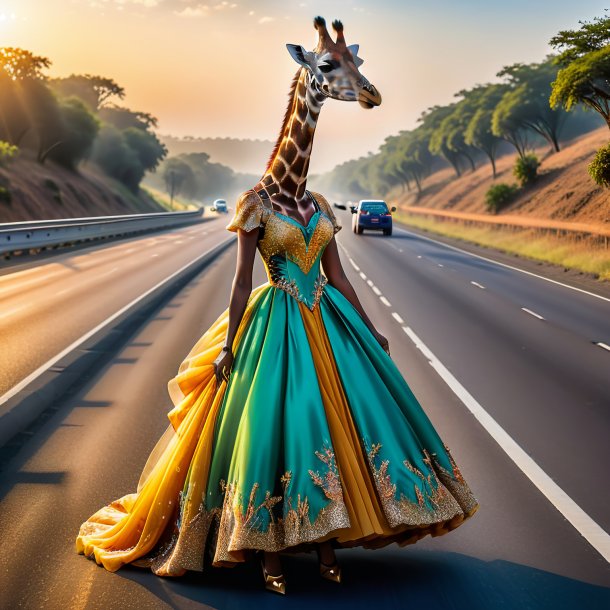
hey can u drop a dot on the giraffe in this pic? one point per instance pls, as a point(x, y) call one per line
point(331, 70)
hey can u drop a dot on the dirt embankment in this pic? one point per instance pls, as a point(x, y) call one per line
point(45, 192)
point(564, 190)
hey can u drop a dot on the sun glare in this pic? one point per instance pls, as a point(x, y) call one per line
point(7, 18)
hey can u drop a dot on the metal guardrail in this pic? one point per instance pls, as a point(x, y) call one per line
point(35, 234)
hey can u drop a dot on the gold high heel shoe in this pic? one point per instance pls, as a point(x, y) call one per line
point(273, 583)
point(329, 572)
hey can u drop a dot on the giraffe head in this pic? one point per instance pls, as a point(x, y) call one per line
point(333, 67)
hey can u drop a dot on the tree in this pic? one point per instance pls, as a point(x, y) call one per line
point(20, 64)
point(179, 177)
point(18, 67)
point(93, 90)
point(507, 124)
point(77, 132)
point(586, 80)
point(575, 44)
point(124, 118)
point(526, 103)
point(432, 121)
point(479, 130)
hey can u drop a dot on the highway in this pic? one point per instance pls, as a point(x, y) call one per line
point(503, 362)
point(45, 307)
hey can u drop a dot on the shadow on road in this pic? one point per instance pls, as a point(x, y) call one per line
point(384, 579)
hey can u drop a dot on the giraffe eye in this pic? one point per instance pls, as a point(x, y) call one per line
point(325, 67)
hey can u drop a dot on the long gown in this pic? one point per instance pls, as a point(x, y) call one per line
point(316, 435)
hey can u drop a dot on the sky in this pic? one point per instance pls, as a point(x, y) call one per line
point(220, 68)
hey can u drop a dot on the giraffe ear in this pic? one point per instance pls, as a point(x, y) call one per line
point(299, 54)
point(353, 49)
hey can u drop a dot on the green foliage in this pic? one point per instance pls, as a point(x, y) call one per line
point(586, 80)
point(526, 169)
point(52, 186)
point(196, 177)
point(19, 64)
point(599, 168)
point(499, 196)
point(5, 195)
point(93, 90)
point(127, 154)
point(78, 130)
point(525, 108)
point(574, 44)
point(8, 152)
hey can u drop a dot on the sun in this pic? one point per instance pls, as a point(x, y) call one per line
point(7, 18)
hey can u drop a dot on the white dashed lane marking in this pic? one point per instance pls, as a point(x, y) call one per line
point(580, 520)
point(532, 313)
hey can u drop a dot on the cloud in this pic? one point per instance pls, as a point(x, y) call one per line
point(266, 20)
point(203, 10)
point(199, 10)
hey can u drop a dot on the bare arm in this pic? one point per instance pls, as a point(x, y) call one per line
point(333, 269)
point(240, 292)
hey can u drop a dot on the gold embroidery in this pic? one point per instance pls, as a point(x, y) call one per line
point(448, 494)
point(292, 288)
point(286, 239)
point(239, 529)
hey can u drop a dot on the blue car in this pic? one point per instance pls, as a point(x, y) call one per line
point(372, 215)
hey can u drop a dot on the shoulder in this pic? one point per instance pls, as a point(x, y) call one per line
point(321, 200)
point(327, 208)
point(249, 212)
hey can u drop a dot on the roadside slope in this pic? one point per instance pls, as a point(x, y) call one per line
point(564, 190)
point(49, 191)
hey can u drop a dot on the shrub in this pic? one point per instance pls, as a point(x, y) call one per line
point(7, 152)
point(599, 168)
point(54, 188)
point(498, 196)
point(5, 195)
point(526, 169)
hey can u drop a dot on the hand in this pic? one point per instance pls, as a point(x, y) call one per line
point(382, 341)
point(223, 365)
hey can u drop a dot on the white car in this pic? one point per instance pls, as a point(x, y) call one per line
point(220, 205)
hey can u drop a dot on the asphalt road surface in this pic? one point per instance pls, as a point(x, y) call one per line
point(45, 307)
point(545, 382)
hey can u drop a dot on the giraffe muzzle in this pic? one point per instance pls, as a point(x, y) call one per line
point(369, 96)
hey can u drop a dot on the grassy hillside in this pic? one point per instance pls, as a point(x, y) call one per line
point(50, 191)
point(564, 190)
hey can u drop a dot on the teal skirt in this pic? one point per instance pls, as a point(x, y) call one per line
point(316, 436)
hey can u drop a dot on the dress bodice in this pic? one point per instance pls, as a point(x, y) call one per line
point(290, 251)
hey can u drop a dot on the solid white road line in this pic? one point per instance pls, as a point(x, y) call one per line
point(490, 260)
point(595, 535)
point(49, 363)
point(532, 313)
point(588, 528)
point(477, 284)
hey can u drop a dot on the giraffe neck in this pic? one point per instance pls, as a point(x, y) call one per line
point(286, 175)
